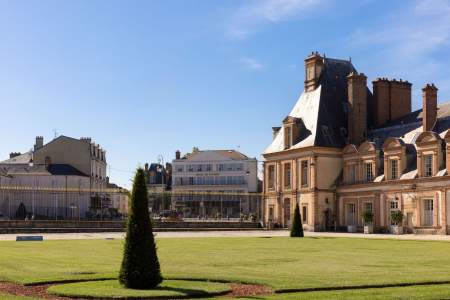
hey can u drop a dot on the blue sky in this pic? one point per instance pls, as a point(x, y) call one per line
point(144, 78)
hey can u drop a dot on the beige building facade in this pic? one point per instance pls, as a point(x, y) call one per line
point(344, 150)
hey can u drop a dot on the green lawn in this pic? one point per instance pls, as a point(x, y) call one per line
point(282, 263)
point(112, 289)
point(411, 293)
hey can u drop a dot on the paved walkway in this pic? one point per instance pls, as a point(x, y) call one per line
point(246, 233)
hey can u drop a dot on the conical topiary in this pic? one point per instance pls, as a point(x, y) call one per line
point(140, 266)
point(297, 227)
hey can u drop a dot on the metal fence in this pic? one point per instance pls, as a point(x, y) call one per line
point(18, 203)
point(206, 206)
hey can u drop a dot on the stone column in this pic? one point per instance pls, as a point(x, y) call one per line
point(444, 211)
point(313, 171)
point(436, 209)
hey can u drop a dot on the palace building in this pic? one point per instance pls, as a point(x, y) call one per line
point(344, 150)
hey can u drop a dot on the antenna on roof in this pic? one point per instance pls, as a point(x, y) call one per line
point(55, 133)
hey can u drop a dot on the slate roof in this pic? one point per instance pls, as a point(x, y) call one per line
point(323, 111)
point(20, 159)
point(53, 169)
point(230, 154)
point(409, 127)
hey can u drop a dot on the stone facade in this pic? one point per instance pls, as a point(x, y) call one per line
point(345, 151)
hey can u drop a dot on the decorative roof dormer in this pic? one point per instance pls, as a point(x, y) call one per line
point(292, 127)
point(313, 68)
point(429, 154)
point(394, 158)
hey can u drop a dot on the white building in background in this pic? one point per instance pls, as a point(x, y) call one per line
point(202, 179)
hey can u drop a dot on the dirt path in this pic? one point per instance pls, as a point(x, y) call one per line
point(36, 291)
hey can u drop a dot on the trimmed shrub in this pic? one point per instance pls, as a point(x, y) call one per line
point(397, 217)
point(140, 266)
point(367, 217)
point(297, 227)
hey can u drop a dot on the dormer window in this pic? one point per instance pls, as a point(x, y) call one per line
point(368, 171)
point(288, 141)
point(393, 167)
point(429, 154)
point(428, 165)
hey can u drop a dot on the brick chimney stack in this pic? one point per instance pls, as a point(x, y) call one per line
point(391, 100)
point(313, 69)
point(357, 112)
point(177, 154)
point(429, 110)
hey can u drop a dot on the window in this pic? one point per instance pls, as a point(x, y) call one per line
point(393, 207)
point(428, 212)
point(352, 173)
point(304, 172)
point(271, 209)
point(288, 137)
point(271, 176)
point(287, 175)
point(368, 166)
point(208, 167)
point(428, 165)
point(368, 206)
point(393, 168)
point(287, 209)
point(180, 169)
point(304, 214)
point(309, 73)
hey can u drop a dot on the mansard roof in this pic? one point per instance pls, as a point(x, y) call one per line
point(323, 110)
point(409, 128)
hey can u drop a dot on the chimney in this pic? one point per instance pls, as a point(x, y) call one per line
point(14, 154)
point(429, 110)
point(177, 154)
point(391, 100)
point(39, 143)
point(313, 69)
point(146, 167)
point(86, 139)
point(381, 101)
point(357, 112)
point(275, 131)
point(400, 99)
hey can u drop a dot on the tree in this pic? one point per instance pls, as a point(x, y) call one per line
point(140, 266)
point(297, 227)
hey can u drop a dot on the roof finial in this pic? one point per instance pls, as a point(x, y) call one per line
point(350, 59)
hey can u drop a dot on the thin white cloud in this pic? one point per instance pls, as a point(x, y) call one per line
point(250, 17)
point(409, 43)
point(251, 64)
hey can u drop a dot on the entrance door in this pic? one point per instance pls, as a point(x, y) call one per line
point(328, 225)
point(351, 214)
point(428, 212)
point(287, 212)
point(409, 222)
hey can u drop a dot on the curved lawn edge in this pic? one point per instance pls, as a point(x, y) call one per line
point(359, 287)
point(169, 289)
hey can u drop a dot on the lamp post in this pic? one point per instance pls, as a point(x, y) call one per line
point(160, 169)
